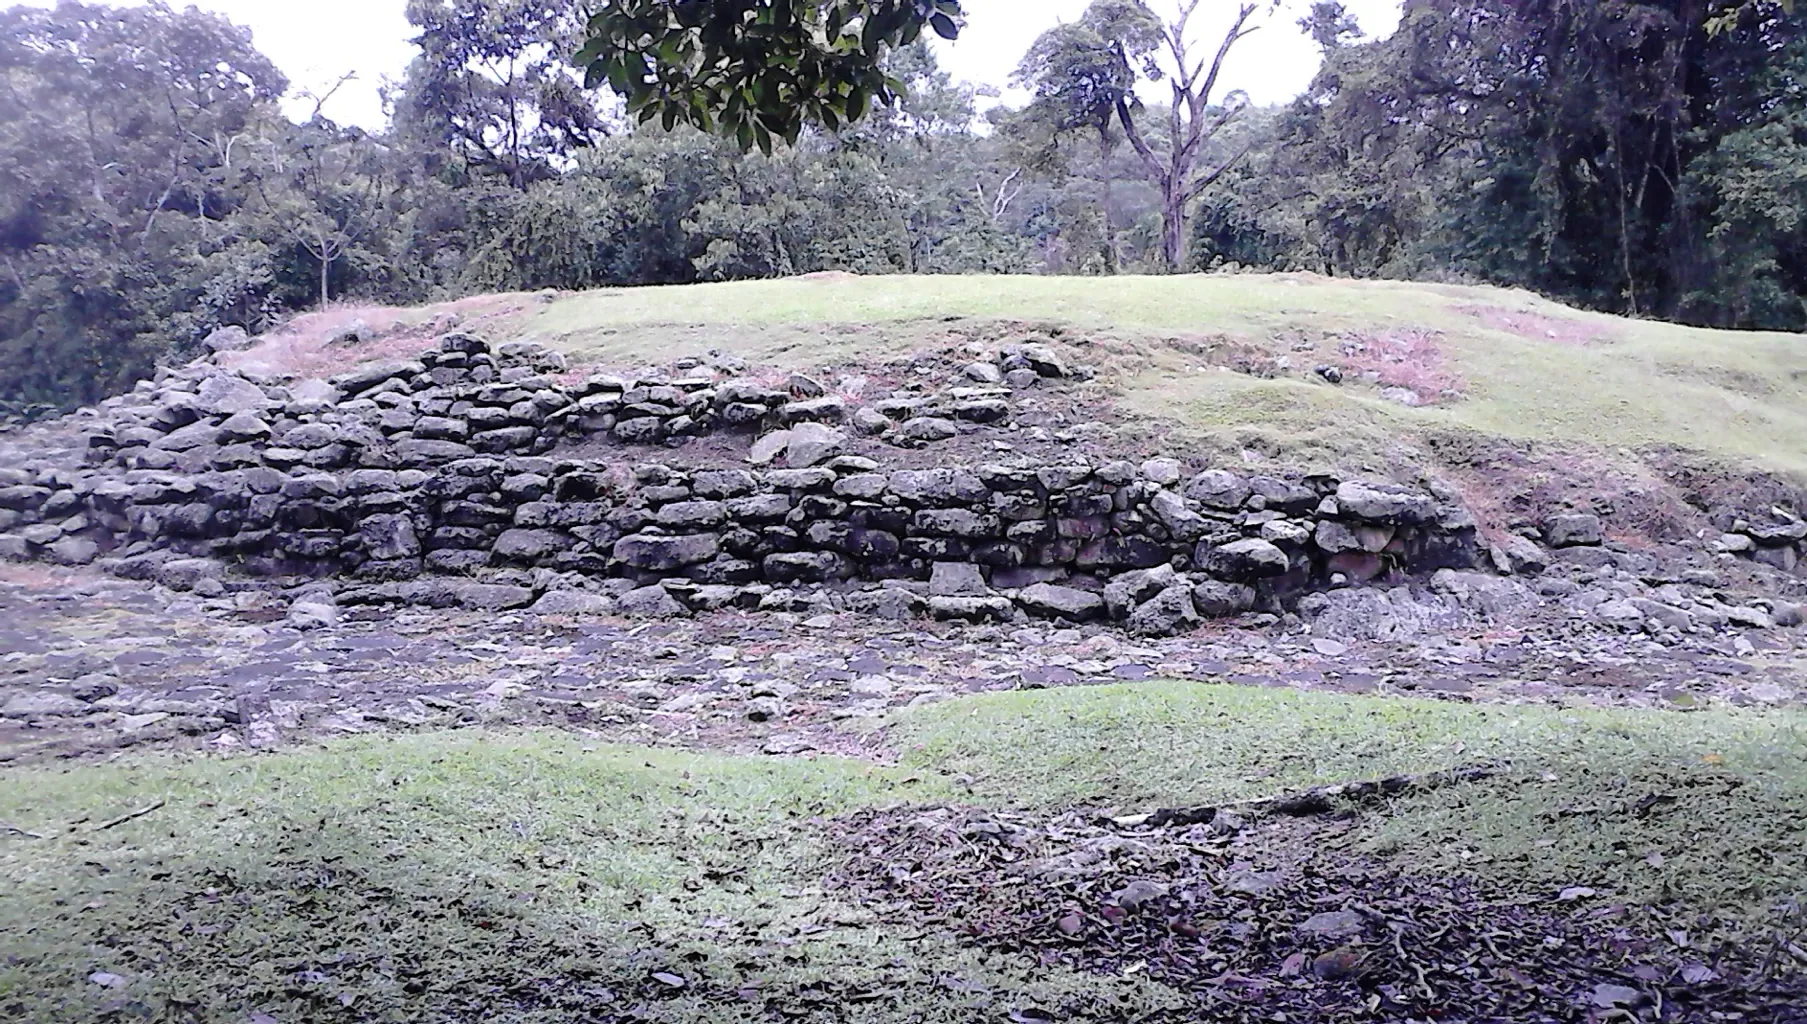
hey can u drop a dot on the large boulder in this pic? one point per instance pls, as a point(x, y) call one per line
point(492, 597)
point(242, 426)
point(1218, 488)
point(650, 603)
point(1492, 598)
point(1056, 602)
point(1245, 561)
point(658, 552)
point(929, 429)
point(806, 567)
point(957, 579)
point(315, 608)
point(1380, 614)
point(1126, 591)
point(972, 609)
point(1376, 504)
point(692, 514)
point(1574, 530)
point(1182, 522)
point(811, 444)
point(366, 377)
point(939, 486)
point(1218, 600)
point(1777, 532)
point(1169, 612)
point(225, 394)
point(231, 338)
point(389, 537)
point(1039, 358)
point(573, 602)
point(530, 545)
point(1522, 556)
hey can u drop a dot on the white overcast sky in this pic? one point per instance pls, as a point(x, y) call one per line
point(316, 41)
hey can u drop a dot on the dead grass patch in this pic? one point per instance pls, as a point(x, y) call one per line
point(1408, 358)
point(1540, 327)
point(305, 346)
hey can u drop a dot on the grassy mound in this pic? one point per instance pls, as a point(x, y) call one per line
point(527, 877)
point(1524, 368)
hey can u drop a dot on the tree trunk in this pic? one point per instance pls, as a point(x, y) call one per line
point(326, 266)
point(1104, 170)
point(1173, 226)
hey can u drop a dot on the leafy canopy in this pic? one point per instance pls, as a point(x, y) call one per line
point(756, 70)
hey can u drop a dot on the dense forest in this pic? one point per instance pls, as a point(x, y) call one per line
point(1627, 156)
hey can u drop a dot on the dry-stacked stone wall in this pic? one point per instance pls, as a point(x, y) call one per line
point(438, 481)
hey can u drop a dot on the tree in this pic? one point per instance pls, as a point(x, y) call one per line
point(328, 187)
point(123, 132)
point(494, 87)
point(1165, 50)
point(1079, 74)
point(756, 70)
point(1595, 151)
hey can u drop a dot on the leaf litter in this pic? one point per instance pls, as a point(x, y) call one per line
point(1276, 920)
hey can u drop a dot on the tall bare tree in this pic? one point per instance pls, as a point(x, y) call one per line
point(1164, 50)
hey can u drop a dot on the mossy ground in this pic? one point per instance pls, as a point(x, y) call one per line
point(1532, 370)
point(526, 876)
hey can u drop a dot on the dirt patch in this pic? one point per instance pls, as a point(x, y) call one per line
point(1539, 327)
point(1514, 486)
point(1405, 359)
point(309, 345)
point(1273, 921)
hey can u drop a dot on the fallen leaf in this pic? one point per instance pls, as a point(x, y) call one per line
point(1608, 996)
point(1137, 893)
point(1337, 965)
point(1293, 965)
point(1679, 937)
point(668, 979)
point(1071, 924)
point(1699, 974)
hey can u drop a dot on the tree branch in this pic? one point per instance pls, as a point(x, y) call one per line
point(1137, 142)
point(1198, 188)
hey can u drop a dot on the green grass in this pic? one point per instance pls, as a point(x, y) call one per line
point(472, 877)
point(526, 877)
point(1635, 384)
point(1708, 809)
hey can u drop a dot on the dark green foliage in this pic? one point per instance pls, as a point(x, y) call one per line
point(120, 191)
point(493, 87)
point(756, 70)
point(1618, 155)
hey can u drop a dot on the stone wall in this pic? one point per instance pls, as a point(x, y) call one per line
point(430, 480)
